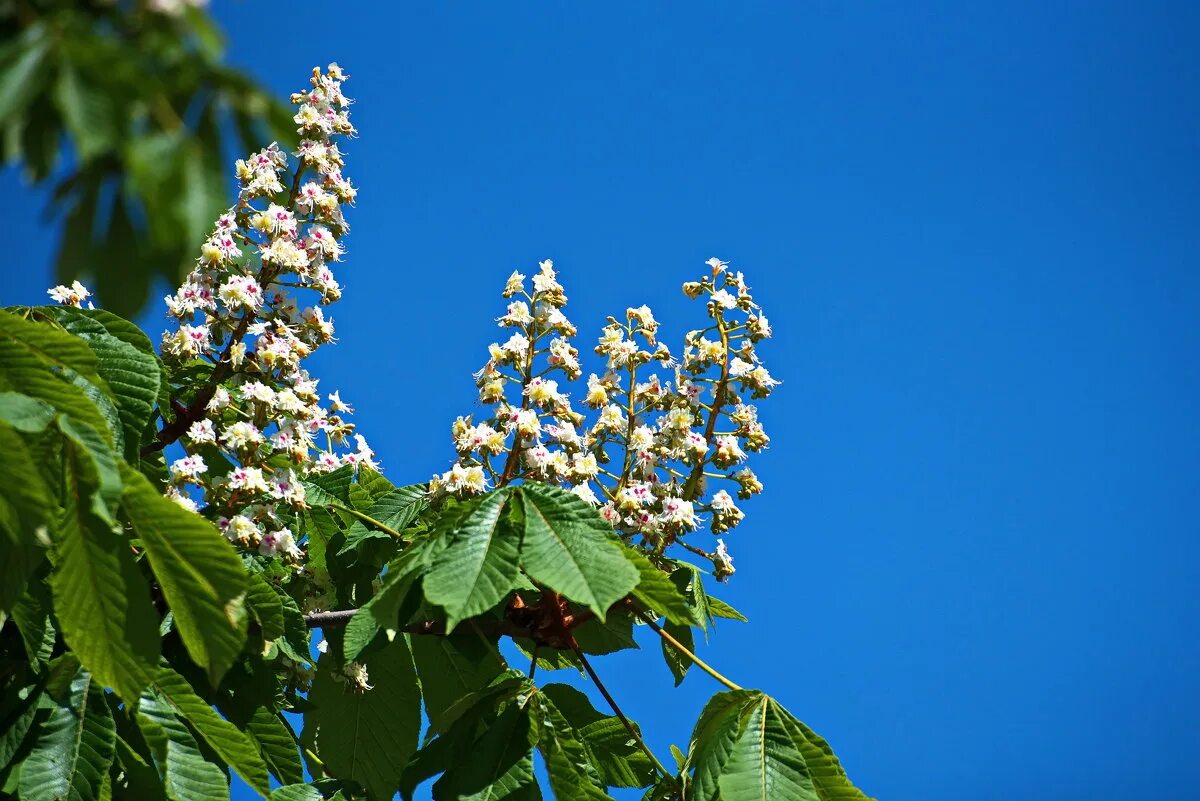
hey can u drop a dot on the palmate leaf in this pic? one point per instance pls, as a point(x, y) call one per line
point(367, 736)
point(232, 745)
point(199, 572)
point(75, 743)
point(186, 774)
point(568, 547)
point(747, 747)
point(101, 600)
point(479, 566)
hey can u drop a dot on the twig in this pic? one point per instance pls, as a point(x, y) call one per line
point(621, 715)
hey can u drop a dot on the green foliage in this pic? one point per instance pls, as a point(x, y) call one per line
point(151, 115)
point(143, 657)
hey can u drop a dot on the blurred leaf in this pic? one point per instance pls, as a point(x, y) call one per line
point(22, 70)
point(88, 112)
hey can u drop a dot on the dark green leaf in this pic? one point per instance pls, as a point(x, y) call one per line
point(277, 744)
point(101, 600)
point(223, 737)
point(479, 566)
point(571, 549)
point(74, 748)
point(186, 774)
point(367, 736)
point(452, 667)
point(397, 509)
point(656, 592)
point(616, 755)
point(572, 776)
point(198, 570)
point(675, 659)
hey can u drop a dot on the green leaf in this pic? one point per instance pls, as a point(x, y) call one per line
point(452, 667)
point(22, 70)
point(500, 765)
point(367, 736)
point(125, 362)
point(296, 792)
point(675, 659)
point(571, 549)
point(828, 777)
point(397, 509)
point(34, 619)
point(186, 774)
point(719, 608)
point(30, 415)
point(25, 509)
point(656, 592)
point(277, 743)
point(264, 604)
point(198, 570)
point(75, 745)
point(713, 739)
point(17, 722)
point(97, 466)
point(479, 567)
point(101, 600)
point(572, 776)
point(330, 488)
point(763, 764)
point(40, 360)
point(87, 111)
point(609, 746)
point(223, 737)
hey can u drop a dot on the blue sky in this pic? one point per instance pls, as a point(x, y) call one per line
point(974, 229)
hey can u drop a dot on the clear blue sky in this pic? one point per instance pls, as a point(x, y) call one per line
point(974, 227)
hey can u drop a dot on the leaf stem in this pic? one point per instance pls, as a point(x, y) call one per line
point(678, 646)
point(366, 518)
point(624, 720)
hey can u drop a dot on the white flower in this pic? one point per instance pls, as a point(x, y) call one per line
point(585, 491)
point(247, 478)
point(717, 264)
point(201, 432)
point(189, 467)
point(241, 434)
point(74, 295)
point(241, 291)
point(336, 404)
point(724, 299)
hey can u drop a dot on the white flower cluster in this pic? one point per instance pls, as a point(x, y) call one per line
point(262, 416)
point(646, 458)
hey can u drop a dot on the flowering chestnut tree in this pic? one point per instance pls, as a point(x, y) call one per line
point(179, 521)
